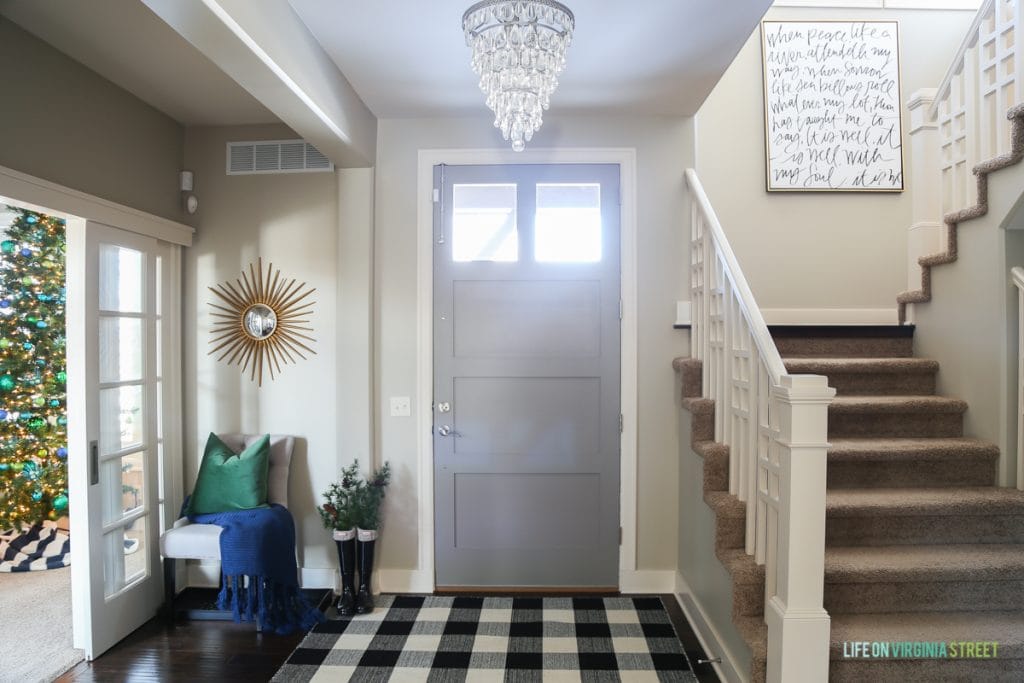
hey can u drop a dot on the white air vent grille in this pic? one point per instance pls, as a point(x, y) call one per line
point(275, 156)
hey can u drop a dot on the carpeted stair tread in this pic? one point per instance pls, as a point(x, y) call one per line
point(725, 504)
point(981, 500)
point(1006, 628)
point(853, 405)
point(869, 450)
point(903, 563)
point(741, 566)
point(823, 366)
point(754, 632)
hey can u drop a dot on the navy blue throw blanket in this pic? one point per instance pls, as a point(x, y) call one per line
point(259, 545)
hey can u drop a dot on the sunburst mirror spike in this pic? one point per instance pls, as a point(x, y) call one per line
point(257, 321)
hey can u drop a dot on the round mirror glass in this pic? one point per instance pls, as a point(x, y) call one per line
point(259, 321)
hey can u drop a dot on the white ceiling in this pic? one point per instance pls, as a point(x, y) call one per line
point(407, 58)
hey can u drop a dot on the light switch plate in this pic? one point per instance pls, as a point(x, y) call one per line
point(400, 406)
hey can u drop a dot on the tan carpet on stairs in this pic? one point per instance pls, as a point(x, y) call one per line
point(920, 543)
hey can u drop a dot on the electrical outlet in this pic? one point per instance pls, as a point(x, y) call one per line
point(400, 406)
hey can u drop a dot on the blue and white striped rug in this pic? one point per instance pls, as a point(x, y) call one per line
point(40, 547)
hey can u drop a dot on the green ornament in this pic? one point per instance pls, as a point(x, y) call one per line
point(36, 423)
point(8, 247)
point(27, 280)
point(17, 466)
point(6, 383)
point(62, 377)
point(60, 503)
point(39, 401)
point(4, 343)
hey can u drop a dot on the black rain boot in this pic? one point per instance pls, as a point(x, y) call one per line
point(346, 542)
point(364, 599)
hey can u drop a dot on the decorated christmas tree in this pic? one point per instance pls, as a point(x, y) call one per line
point(33, 419)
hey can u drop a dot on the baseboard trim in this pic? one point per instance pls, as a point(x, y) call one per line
point(404, 581)
point(202, 574)
point(646, 581)
point(707, 634)
point(830, 316)
point(319, 577)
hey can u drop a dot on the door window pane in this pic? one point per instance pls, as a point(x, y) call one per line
point(120, 349)
point(121, 284)
point(121, 418)
point(124, 485)
point(124, 556)
point(484, 223)
point(568, 225)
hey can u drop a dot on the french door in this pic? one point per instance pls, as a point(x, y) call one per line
point(115, 316)
point(527, 376)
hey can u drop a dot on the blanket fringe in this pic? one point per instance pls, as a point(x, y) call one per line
point(280, 608)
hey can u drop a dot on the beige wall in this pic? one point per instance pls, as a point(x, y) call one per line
point(814, 250)
point(64, 123)
point(292, 221)
point(664, 149)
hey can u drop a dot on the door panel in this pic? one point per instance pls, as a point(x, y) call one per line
point(526, 376)
point(113, 385)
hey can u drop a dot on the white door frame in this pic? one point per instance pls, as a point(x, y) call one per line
point(422, 578)
point(76, 207)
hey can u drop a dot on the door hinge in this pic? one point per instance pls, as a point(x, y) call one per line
point(622, 421)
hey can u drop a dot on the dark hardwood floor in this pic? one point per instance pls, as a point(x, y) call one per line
point(225, 651)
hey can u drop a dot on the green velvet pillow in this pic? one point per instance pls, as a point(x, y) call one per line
point(231, 481)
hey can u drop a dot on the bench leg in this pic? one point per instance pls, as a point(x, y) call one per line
point(170, 565)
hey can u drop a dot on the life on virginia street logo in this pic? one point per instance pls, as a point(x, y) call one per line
point(916, 649)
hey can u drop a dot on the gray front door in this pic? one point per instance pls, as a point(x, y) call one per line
point(526, 376)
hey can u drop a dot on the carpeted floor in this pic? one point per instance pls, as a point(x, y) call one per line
point(35, 620)
point(495, 639)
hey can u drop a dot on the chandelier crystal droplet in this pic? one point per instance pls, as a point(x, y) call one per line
point(518, 51)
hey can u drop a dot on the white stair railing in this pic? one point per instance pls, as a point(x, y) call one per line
point(1017, 275)
point(971, 104)
point(776, 427)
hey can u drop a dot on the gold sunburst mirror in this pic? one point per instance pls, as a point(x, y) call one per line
point(263, 323)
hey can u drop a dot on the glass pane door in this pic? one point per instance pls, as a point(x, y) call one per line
point(113, 381)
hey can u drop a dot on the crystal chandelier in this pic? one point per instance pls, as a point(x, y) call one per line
point(518, 51)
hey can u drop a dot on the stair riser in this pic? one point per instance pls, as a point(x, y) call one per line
point(909, 474)
point(882, 384)
point(716, 473)
point(747, 600)
point(730, 532)
point(895, 425)
point(824, 347)
point(942, 596)
point(923, 529)
point(1000, 670)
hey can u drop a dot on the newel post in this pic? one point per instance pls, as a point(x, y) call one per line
point(925, 184)
point(798, 625)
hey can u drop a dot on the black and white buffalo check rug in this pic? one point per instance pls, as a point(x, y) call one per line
point(432, 638)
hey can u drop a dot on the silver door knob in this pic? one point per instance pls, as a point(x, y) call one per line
point(445, 430)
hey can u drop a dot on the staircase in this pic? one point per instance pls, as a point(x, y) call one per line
point(921, 546)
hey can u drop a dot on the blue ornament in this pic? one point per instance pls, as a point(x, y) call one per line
point(27, 346)
point(4, 467)
point(62, 420)
point(42, 325)
point(3, 414)
point(31, 219)
point(54, 402)
point(5, 303)
point(26, 252)
point(42, 297)
point(62, 452)
point(37, 495)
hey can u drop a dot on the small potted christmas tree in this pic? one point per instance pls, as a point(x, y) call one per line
point(351, 510)
point(337, 513)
